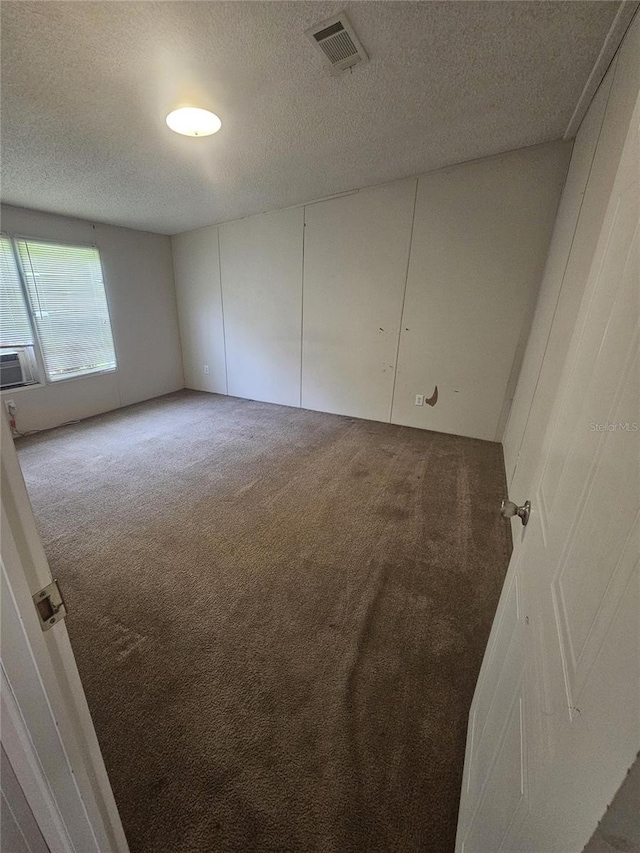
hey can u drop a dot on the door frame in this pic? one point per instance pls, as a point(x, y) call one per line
point(47, 729)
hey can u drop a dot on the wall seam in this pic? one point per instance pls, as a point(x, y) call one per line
point(564, 275)
point(353, 191)
point(175, 297)
point(614, 38)
point(404, 296)
point(304, 234)
point(527, 325)
point(224, 330)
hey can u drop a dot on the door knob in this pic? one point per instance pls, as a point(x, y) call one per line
point(509, 509)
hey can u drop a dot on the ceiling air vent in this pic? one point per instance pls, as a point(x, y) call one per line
point(338, 44)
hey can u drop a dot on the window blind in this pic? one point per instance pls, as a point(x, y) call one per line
point(15, 327)
point(69, 307)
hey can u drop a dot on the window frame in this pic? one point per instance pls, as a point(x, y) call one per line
point(44, 379)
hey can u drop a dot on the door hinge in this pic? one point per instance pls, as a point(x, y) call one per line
point(50, 605)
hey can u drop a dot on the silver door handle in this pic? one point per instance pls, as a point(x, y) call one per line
point(509, 509)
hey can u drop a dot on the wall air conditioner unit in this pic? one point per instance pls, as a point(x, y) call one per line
point(338, 44)
point(17, 367)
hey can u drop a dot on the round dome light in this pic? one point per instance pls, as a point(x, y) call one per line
point(192, 121)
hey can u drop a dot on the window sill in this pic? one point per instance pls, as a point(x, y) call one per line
point(18, 388)
point(74, 376)
point(6, 392)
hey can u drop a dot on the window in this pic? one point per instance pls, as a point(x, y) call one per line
point(17, 355)
point(15, 325)
point(53, 299)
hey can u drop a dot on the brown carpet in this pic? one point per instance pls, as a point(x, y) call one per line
point(278, 616)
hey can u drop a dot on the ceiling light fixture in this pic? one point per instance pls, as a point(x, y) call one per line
point(192, 121)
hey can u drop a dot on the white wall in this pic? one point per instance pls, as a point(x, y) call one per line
point(139, 285)
point(592, 171)
point(480, 237)
point(452, 292)
point(356, 252)
point(261, 269)
point(196, 264)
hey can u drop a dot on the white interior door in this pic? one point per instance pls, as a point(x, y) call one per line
point(555, 722)
point(47, 732)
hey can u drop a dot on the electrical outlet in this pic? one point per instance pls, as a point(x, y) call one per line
point(10, 406)
point(206, 368)
point(419, 399)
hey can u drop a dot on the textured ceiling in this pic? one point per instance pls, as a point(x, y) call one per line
point(86, 87)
